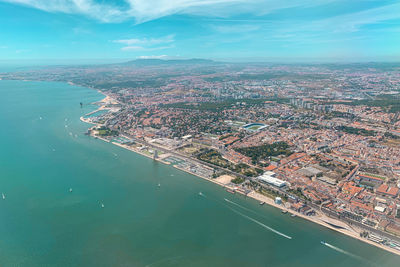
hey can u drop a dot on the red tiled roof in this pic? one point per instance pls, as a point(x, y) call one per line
point(370, 177)
point(393, 191)
point(270, 168)
point(382, 188)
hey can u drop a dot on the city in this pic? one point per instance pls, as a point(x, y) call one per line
point(324, 138)
point(200, 133)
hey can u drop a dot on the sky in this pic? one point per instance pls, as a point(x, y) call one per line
point(237, 30)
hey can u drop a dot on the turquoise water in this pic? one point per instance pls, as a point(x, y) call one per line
point(43, 224)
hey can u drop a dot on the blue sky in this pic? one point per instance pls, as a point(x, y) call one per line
point(267, 30)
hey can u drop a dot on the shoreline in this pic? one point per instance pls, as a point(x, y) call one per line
point(320, 219)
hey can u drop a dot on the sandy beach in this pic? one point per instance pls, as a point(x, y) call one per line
point(224, 179)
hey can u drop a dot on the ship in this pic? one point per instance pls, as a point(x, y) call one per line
point(230, 191)
point(3, 196)
point(262, 203)
point(323, 242)
point(284, 211)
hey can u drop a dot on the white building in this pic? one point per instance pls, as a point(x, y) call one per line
point(268, 178)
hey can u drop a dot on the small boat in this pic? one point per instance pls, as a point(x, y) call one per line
point(3, 196)
point(159, 185)
point(102, 205)
point(230, 191)
point(293, 215)
point(200, 193)
point(70, 190)
point(284, 211)
point(323, 242)
point(262, 203)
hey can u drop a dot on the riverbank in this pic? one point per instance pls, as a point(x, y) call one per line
point(320, 218)
point(325, 221)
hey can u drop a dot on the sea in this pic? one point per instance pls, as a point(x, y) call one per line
point(117, 215)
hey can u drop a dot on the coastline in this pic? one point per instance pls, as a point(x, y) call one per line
point(320, 219)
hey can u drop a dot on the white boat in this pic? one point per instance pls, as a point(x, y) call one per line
point(200, 193)
point(159, 185)
point(293, 215)
point(3, 196)
point(70, 190)
point(323, 243)
point(102, 205)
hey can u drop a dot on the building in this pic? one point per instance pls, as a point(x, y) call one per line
point(368, 180)
point(385, 190)
point(268, 178)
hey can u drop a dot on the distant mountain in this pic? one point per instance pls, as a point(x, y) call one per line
point(155, 62)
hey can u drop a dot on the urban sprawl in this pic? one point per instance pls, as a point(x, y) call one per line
point(317, 139)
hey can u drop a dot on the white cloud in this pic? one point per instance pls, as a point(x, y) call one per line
point(146, 41)
point(141, 48)
point(102, 12)
point(145, 10)
point(153, 57)
point(147, 44)
point(353, 21)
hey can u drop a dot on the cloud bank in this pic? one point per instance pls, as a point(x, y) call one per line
point(145, 10)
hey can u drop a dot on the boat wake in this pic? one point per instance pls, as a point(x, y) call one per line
point(261, 224)
point(345, 252)
point(240, 206)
